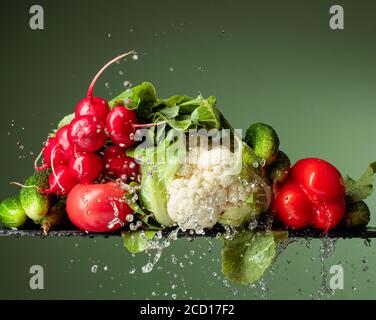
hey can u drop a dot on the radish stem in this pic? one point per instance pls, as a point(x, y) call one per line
point(92, 84)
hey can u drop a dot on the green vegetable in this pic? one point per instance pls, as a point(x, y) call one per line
point(35, 203)
point(237, 216)
point(279, 170)
point(250, 162)
point(66, 120)
point(362, 188)
point(258, 200)
point(246, 257)
point(54, 217)
point(140, 98)
point(357, 215)
point(138, 241)
point(159, 166)
point(130, 198)
point(263, 140)
point(12, 215)
point(183, 113)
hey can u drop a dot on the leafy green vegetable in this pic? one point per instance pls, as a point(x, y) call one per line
point(357, 215)
point(141, 98)
point(130, 198)
point(257, 199)
point(183, 113)
point(35, 203)
point(362, 188)
point(206, 115)
point(12, 215)
point(159, 166)
point(65, 121)
point(237, 216)
point(263, 140)
point(138, 241)
point(250, 162)
point(246, 257)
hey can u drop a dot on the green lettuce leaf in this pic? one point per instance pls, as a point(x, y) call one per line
point(246, 257)
point(141, 98)
point(357, 190)
point(138, 241)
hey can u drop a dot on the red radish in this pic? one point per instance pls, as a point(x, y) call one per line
point(95, 106)
point(120, 125)
point(60, 181)
point(57, 157)
point(98, 207)
point(87, 133)
point(85, 167)
point(118, 165)
point(113, 151)
point(64, 143)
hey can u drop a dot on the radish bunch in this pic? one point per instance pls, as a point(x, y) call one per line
point(77, 154)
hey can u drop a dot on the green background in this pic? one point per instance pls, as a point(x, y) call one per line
point(271, 61)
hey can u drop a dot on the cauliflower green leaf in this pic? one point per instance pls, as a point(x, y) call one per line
point(246, 257)
point(138, 241)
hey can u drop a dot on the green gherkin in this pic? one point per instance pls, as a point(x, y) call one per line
point(35, 203)
point(279, 170)
point(12, 215)
point(263, 140)
point(357, 215)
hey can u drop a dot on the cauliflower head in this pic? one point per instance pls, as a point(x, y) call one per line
point(212, 189)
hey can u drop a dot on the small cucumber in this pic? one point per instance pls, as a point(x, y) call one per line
point(35, 203)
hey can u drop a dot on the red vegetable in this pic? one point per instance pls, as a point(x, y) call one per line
point(98, 207)
point(87, 133)
point(60, 181)
point(63, 142)
point(293, 206)
point(95, 106)
point(118, 165)
point(85, 167)
point(120, 125)
point(51, 153)
point(313, 194)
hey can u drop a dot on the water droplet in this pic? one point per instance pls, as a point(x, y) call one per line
point(171, 69)
point(132, 271)
point(105, 268)
point(127, 84)
point(129, 217)
point(135, 57)
point(109, 35)
point(94, 268)
point(200, 68)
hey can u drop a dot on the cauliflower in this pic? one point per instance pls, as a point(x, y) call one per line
point(202, 192)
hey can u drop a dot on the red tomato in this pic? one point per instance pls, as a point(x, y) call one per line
point(326, 216)
point(97, 207)
point(321, 180)
point(293, 207)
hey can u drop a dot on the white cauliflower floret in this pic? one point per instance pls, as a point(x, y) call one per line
point(201, 191)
